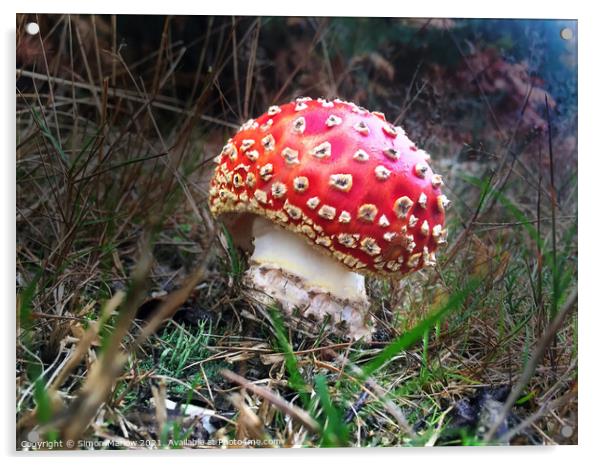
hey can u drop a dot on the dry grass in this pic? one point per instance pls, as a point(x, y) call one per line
point(134, 328)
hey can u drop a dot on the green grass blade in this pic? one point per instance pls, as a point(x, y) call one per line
point(415, 334)
point(335, 432)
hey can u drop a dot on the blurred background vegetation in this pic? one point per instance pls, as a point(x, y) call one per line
point(129, 301)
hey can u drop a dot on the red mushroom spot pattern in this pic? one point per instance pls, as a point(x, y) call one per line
point(343, 177)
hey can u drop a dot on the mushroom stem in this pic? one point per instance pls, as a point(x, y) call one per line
point(286, 268)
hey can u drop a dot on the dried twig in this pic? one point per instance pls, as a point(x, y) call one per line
point(538, 353)
point(285, 407)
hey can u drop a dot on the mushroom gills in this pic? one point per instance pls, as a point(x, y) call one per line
point(286, 268)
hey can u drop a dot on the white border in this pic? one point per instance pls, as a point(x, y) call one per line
point(423, 8)
point(589, 236)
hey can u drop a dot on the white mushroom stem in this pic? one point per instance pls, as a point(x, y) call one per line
point(277, 247)
point(286, 268)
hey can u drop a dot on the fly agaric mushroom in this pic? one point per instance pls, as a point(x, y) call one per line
point(325, 193)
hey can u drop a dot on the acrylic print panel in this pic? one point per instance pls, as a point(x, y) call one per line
point(269, 232)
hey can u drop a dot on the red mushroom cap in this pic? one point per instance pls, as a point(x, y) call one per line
point(349, 181)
